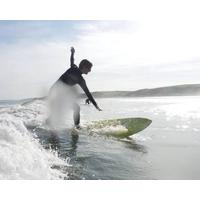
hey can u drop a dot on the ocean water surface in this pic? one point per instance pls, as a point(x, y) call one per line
point(168, 149)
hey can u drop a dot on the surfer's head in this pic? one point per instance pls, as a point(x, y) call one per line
point(85, 66)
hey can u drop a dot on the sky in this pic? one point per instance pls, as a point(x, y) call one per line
point(152, 50)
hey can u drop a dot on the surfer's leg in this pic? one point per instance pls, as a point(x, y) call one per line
point(76, 116)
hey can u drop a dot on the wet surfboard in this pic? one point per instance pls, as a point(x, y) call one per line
point(120, 128)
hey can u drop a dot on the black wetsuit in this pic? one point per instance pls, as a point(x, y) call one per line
point(72, 77)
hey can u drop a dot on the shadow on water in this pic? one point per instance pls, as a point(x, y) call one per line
point(132, 144)
point(93, 157)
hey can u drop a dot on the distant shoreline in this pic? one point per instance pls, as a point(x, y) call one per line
point(177, 90)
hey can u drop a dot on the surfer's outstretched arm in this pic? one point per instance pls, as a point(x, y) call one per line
point(72, 57)
point(89, 95)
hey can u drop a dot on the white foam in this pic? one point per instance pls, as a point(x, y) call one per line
point(21, 155)
point(112, 129)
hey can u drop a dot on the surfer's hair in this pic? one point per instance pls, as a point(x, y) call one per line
point(85, 63)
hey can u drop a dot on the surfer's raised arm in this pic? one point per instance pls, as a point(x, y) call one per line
point(72, 57)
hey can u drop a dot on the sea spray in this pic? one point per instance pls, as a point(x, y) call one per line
point(21, 155)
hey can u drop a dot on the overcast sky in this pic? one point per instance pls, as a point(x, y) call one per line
point(150, 51)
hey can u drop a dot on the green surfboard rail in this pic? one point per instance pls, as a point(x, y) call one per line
point(131, 125)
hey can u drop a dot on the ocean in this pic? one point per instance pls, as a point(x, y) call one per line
point(168, 149)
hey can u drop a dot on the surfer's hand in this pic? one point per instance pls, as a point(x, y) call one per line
point(99, 109)
point(72, 50)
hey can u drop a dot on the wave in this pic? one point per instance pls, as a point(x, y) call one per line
point(21, 154)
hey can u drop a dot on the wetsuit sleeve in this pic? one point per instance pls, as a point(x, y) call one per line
point(87, 92)
point(72, 60)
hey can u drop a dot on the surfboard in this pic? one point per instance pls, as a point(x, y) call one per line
point(120, 128)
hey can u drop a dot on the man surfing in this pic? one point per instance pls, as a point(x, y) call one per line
point(65, 89)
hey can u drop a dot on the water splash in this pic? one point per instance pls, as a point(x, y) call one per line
point(21, 155)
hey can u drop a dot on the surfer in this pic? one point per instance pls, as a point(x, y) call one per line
point(65, 87)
